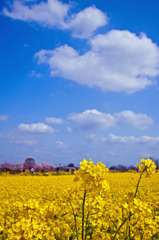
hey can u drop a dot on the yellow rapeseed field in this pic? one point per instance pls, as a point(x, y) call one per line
point(92, 204)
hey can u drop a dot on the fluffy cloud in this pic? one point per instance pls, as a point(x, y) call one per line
point(139, 121)
point(93, 119)
point(50, 13)
point(86, 22)
point(122, 139)
point(35, 128)
point(3, 117)
point(132, 139)
point(54, 13)
point(53, 120)
point(117, 61)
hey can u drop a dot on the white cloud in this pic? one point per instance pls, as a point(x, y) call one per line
point(54, 120)
point(86, 22)
point(3, 117)
point(93, 119)
point(117, 61)
point(137, 120)
point(54, 13)
point(148, 139)
point(50, 13)
point(132, 139)
point(122, 139)
point(35, 128)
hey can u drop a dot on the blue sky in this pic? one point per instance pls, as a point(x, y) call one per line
point(79, 79)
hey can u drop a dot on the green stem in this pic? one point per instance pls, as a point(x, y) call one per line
point(138, 184)
point(83, 205)
point(125, 220)
point(87, 224)
point(74, 220)
point(120, 227)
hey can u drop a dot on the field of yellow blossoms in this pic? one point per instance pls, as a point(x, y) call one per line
point(92, 204)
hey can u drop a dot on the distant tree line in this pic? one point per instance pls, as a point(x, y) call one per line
point(45, 167)
point(122, 168)
point(29, 164)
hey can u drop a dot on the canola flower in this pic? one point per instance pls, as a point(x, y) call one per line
point(93, 204)
point(147, 166)
point(92, 178)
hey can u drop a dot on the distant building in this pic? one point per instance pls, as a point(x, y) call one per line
point(69, 169)
point(29, 163)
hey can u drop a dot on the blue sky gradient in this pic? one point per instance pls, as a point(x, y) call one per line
point(79, 80)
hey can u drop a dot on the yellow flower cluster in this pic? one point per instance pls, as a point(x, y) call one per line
point(92, 178)
point(93, 205)
point(147, 166)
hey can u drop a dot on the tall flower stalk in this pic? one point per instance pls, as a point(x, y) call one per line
point(83, 214)
point(147, 167)
point(92, 181)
